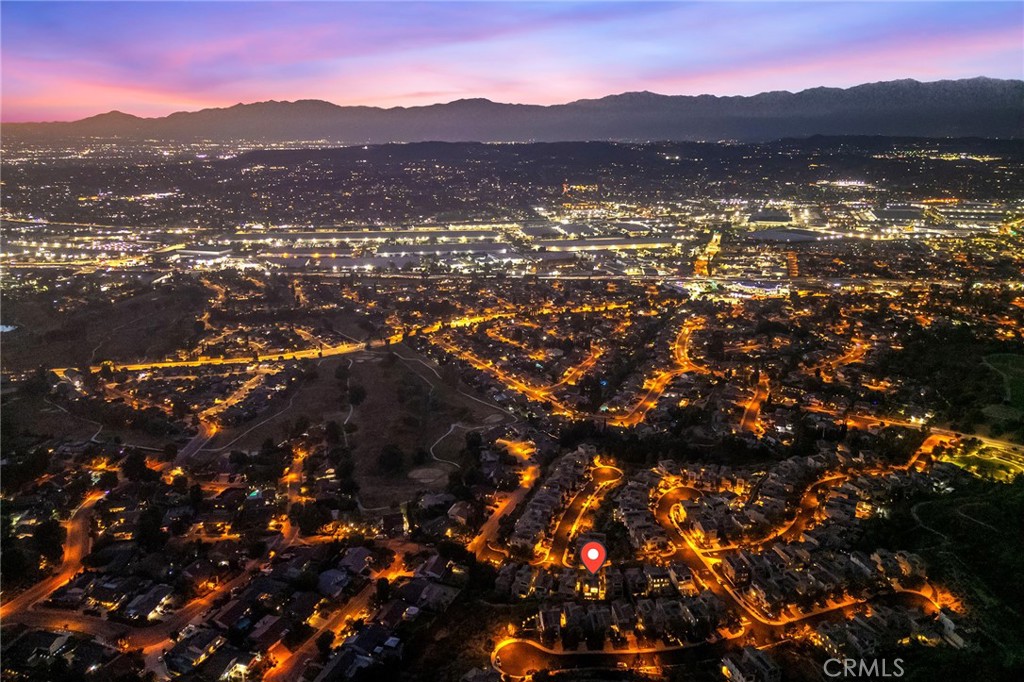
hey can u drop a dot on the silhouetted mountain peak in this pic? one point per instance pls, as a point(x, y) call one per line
point(113, 116)
point(467, 101)
point(981, 107)
point(638, 96)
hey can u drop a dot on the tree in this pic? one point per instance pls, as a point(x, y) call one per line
point(301, 426)
point(180, 526)
point(307, 581)
point(195, 496)
point(356, 394)
point(458, 486)
point(310, 518)
point(14, 565)
point(383, 590)
point(324, 642)
point(179, 408)
point(107, 480)
point(332, 432)
point(345, 468)
point(134, 467)
point(37, 384)
point(149, 533)
point(390, 460)
point(256, 549)
point(31, 466)
point(48, 539)
point(341, 373)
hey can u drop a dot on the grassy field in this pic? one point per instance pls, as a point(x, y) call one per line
point(409, 406)
point(151, 325)
point(317, 399)
point(978, 555)
point(987, 464)
point(971, 542)
point(35, 415)
point(406, 405)
point(1001, 412)
point(1011, 368)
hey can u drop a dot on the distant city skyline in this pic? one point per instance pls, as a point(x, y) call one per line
point(64, 61)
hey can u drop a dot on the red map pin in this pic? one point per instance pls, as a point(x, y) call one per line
point(593, 555)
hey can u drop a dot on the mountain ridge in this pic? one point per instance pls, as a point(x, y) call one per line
point(984, 107)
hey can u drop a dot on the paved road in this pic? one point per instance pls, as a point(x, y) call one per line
point(603, 477)
point(753, 408)
point(76, 547)
point(480, 545)
point(518, 657)
point(706, 563)
point(289, 664)
point(661, 380)
point(206, 432)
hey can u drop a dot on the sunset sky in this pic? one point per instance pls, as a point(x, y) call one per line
point(64, 61)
